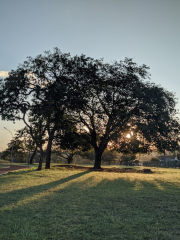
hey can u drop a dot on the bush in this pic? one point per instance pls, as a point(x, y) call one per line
point(155, 159)
point(128, 160)
point(136, 161)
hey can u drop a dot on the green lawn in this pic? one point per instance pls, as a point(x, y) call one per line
point(62, 204)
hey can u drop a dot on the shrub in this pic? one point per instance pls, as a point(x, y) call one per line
point(155, 159)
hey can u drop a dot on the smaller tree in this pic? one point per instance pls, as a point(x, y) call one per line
point(29, 144)
point(109, 156)
point(169, 138)
point(136, 161)
point(88, 154)
point(155, 159)
point(128, 159)
point(19, 153)
point(71, 143)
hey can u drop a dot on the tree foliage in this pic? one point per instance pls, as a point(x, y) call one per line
point(155, 159)
point(71, 142)
point(104, 101)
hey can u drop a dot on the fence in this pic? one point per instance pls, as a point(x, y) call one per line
point(168, 164)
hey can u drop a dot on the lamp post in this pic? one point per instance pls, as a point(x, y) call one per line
point(11, 159)
point(1, 152)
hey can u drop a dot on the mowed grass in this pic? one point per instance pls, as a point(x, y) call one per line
point(66, 204)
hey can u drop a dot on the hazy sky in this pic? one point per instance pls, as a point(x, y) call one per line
point(146, 30)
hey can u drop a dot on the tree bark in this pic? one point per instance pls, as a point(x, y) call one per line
point(69, 160)
point(98, 155)
point(40, 159)
point(48, 153)
point(98, 149)
point(49, 146)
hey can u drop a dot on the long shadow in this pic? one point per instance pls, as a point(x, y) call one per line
point(109, 208)
point(125, 208)
point(8, 178)
point(27, 192)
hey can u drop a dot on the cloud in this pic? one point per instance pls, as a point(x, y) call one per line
point(3, 74)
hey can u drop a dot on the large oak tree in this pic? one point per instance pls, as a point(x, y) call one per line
point(120, 101)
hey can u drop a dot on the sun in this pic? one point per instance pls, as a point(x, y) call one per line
point(128, 135)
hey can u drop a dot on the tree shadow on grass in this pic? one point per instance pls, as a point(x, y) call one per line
point(10, 176)
point(15, 196)
point(97, 207)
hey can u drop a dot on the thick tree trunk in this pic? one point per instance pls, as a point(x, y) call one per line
point(40, 159)
point(69, 160)
point(48, 153)
point(165, 162)
point(98, 155)
point(98, 149)
point(32, 157)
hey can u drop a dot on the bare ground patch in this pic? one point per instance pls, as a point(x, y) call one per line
point(113, 169)
point(11, 168)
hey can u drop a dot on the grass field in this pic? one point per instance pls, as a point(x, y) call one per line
point(65, 204)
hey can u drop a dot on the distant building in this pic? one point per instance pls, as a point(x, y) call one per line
point(167, 158)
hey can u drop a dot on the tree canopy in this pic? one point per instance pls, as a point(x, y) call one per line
point(104, 101)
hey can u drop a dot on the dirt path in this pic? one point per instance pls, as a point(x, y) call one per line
point(11, 168)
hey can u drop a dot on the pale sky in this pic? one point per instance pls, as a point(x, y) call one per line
point(146, 30)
